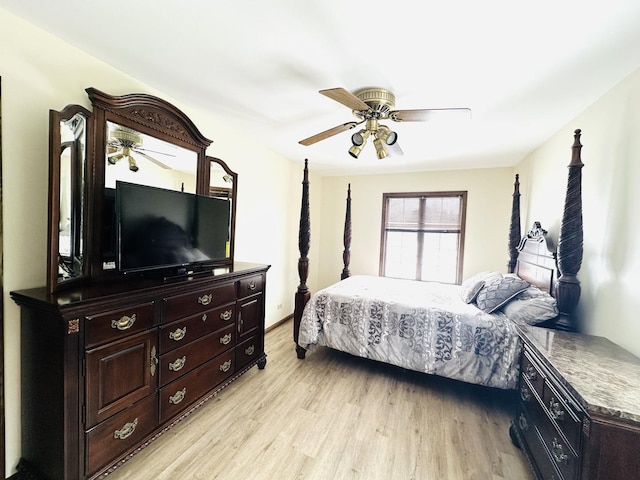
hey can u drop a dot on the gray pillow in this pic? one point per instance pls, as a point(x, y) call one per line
point(531, 306)
point(471, 286)
point(496, 293)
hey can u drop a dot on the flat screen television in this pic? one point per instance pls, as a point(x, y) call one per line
point(160, 229)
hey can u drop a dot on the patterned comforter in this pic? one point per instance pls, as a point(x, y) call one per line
point(422, 326)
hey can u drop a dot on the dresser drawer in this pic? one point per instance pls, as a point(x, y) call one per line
point(248, 351)
point(250, 286)
point(185, 330)
point(115, 436)
point(560, 454)
point(178, 395)
point(108, 326)
point(184, 359)
point(527, 427)
point(533, 373)
point(199, 301)
point(567, 419)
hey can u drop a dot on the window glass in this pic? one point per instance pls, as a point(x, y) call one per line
point(423, 236)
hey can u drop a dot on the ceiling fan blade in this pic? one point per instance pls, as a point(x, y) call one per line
point(151, 159)
point(140, 149)
point(429, 114)
point(328, 133)
point(346, 98)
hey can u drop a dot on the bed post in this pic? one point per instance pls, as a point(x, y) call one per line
point(570, 242)
point(346, 254)
point(304, 235)
point(514, 229)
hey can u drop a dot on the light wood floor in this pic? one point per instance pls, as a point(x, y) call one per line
point(333, 416)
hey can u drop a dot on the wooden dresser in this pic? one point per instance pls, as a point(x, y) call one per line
point(107, 368)
point(578, 415)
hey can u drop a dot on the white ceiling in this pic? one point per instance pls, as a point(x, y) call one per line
point(525, 69)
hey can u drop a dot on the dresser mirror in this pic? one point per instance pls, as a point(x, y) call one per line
point(139, 158)
point(223, 184)
point(137, 139)
point(68, 166)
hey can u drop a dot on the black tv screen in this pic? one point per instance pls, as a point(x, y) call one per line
point(159, 228)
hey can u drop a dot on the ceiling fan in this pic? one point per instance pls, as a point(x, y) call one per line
point(125, 143)
point(370, 105)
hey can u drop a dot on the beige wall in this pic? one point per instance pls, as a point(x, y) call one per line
point(36, 79)
point(487, 227)
point(609, 302)
point(40, 72)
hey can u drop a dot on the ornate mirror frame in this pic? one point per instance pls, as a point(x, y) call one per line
point(140, 115)
point(70, 131)
point(223, 183)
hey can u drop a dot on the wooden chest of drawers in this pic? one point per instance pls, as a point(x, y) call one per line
point(106, 368)
point(578, 414)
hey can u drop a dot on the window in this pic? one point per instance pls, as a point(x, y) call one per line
point(423, 236)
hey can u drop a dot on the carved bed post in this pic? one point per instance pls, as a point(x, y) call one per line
point(346, 255)
point(514, 229)
point(570, 241)
point(304, 236)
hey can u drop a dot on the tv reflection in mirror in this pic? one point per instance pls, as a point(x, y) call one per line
point(170, 231)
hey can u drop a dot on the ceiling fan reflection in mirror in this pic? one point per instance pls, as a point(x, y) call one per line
point(369, 106)
point(126, 143)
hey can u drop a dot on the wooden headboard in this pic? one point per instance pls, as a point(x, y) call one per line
point(536, 260)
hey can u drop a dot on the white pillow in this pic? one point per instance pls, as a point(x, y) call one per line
point(472, 285)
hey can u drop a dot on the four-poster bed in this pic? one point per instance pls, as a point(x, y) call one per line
point(577, 413)
point(456, 338)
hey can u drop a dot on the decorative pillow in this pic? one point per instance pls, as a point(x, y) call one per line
point(496, 293)
point(532, 306)
point(472, 285)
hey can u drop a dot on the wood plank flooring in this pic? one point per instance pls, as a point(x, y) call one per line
point(334, 416)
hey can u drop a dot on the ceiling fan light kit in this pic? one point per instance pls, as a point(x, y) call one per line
point(371, 105)
point(125, 142)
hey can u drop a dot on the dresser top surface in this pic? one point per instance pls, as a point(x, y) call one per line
point(604, 377)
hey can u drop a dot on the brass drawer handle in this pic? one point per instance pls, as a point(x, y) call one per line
point(177, 397)
point(522, 423)
point(153, 361)
point(557, 451)
point(525, 394)
point(226, 340)
point(251, 286)
point(225, 366)
point(554, 408)
point(126, 431)
point(205, 299)
point(226, 315)
point(178, 364)
point(249, 350)
point(178, 334)
point(531, 373)
point(124, 323)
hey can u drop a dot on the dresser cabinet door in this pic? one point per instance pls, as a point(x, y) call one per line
point(119, 374)
point(249, 317)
